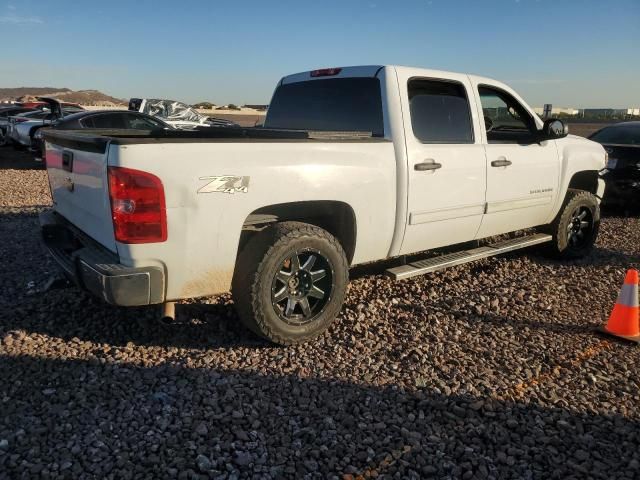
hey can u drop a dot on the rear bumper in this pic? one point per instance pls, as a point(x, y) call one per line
point(98, 270)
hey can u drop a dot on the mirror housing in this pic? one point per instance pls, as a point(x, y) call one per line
point(553, 128)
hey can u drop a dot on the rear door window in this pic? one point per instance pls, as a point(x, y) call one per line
point(140, 122)
point(337, 104)
point(105, 120)
point(440, 111)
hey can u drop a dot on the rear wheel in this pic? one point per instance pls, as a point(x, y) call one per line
point(575, 229)
point(290, 281)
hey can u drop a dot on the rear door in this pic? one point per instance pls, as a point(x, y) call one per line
point(77, 168)
point(522, 173)
point(447, 165)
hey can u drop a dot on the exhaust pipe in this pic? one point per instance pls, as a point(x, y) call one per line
point(168, 313)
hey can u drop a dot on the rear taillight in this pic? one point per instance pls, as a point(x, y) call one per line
point(20, 120)
point(326, 72)
point(137, 206)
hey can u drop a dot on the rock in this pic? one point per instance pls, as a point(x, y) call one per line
point(581, 455)
point(243, 459)
point(203, 463)
point(201, 429)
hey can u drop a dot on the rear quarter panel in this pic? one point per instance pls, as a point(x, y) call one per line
point(204, 228)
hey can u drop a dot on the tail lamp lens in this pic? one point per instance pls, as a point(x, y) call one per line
point(137, 206)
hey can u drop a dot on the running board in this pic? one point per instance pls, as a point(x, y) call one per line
point(430, 265)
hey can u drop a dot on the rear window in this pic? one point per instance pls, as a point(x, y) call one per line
point(621, 135)
point(338, 104)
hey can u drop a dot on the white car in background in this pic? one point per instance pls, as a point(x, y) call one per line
point(22, 127)
point(177, 114)
point(5, 113)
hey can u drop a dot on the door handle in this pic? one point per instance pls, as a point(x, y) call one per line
point(428, 164)
point(501, 162)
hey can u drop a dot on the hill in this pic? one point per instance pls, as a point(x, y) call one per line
point(83, 97)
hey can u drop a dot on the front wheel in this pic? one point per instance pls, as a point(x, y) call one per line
point(290, 282)
point(575, 228)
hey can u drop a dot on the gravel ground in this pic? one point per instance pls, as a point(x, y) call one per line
point(488, 370)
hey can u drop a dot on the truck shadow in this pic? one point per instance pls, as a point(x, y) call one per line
point(622, 210)
point(106, 417)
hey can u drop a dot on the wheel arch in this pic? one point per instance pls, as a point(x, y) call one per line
point(336, 217)
point(586, 180)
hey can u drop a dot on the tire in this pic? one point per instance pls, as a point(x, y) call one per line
point(576, 226)
point(289, 282)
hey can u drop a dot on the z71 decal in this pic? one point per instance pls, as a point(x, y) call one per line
point(225, 184)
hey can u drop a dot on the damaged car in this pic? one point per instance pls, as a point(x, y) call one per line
point(22, 127)
point(622, 173)
point(5, 113)
point(98, 120)
point(177, 114)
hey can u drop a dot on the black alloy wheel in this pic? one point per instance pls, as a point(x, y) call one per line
point(302, 287)
point(580, 227)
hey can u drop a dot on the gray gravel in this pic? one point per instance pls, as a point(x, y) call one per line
point(489, 370)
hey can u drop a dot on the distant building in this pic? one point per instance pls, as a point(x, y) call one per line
point(257, 107)
point(557, 111)
point(609, 112)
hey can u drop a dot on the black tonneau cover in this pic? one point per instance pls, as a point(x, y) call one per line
point(96, 140)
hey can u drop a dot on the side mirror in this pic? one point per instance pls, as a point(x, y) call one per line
point(554, 128)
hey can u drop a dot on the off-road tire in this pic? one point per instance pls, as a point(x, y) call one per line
point(560, 247)
point(257, 265)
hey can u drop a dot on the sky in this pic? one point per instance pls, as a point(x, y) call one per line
point(571, 53)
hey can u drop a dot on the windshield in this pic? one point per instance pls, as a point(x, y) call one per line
point(618, 134)
point(339, 104)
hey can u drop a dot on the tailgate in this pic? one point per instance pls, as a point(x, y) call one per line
point(77, 168)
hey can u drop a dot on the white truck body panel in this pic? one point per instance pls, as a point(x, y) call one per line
point(82, 195)
point(397, 208)
point(204, 228)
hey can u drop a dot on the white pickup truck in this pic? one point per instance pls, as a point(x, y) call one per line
point(353, 165)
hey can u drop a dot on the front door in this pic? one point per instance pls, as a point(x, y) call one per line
point(522, 173)
point(447, 164)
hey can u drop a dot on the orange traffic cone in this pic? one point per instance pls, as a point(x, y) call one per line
point(624, 321)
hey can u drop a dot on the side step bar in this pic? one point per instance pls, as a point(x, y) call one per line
point(430, 265)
